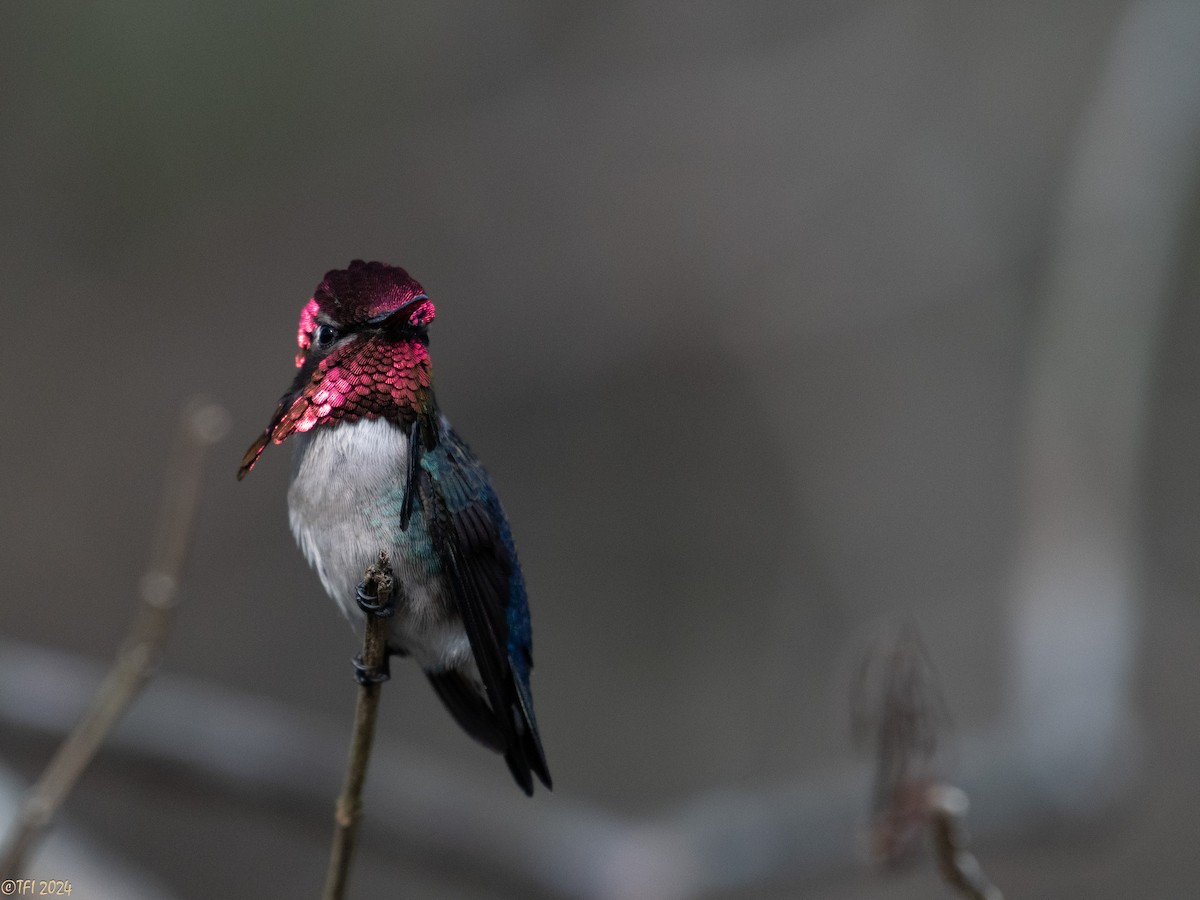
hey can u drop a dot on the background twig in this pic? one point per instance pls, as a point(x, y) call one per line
point(378, 583)
point(202, 425)
point(946, 808)
point(899, 710)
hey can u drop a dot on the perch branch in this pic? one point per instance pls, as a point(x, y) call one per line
point(202, 426)
point(377, 585)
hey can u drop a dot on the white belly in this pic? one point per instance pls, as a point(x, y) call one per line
point(343, 505)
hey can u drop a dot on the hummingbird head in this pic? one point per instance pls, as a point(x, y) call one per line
point(364, 353)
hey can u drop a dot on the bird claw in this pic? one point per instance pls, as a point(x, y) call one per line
point(370, 603)
point(368, 675)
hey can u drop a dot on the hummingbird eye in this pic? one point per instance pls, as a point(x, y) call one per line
point(324, 336)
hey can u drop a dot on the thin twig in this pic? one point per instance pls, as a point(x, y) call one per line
point(202, 426)
point(898, 708)
point(947, 807)
point(898, 711)
point(348, 813)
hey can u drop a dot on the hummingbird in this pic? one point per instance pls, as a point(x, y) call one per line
point(376, 466)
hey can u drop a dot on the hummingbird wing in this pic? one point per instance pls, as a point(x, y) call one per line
point(471, 534)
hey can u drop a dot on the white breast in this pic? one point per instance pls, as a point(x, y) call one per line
point(340, 477)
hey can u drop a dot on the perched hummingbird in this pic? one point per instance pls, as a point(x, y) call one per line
point(377, 467)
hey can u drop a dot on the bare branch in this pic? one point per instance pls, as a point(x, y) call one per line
point(202, 426)
point(947, 807)
point(899, 709)
point(377, 584)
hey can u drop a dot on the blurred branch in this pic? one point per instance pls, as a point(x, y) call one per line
point(201, 427)
point(377, 589)
point(97, 873)
point(947, 806)
point(899, 710)
point(719, 841)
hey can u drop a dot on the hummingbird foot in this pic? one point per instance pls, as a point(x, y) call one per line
point(377, 602)
point(368, 675)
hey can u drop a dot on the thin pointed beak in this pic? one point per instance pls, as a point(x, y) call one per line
point(252, 455)
point(260, 443)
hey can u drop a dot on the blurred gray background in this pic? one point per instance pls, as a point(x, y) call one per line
point(746, 306)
